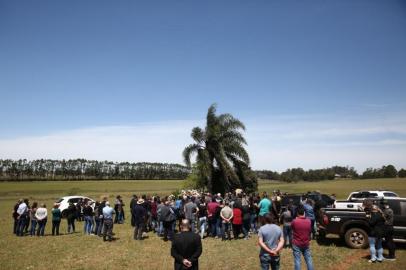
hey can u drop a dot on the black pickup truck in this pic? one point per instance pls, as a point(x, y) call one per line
point(352, 225)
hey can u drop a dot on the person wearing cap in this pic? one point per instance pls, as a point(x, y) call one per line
point(139, 213)
point(108, 214)
point(186, 248)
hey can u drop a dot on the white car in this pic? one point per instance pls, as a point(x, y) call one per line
point(64, 202)
point(355, 199)
point(357, 195)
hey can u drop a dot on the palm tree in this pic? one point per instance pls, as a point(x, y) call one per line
point(221, 159)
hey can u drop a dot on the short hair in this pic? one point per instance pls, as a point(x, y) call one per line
point(300, 210)
point(269, 219)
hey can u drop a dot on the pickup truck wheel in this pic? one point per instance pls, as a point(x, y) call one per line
point(356, 238)
point(64, 214)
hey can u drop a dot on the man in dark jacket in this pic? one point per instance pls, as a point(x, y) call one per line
point(388, 215)
point(139, 213)
point(133, 202)
point(186, 248)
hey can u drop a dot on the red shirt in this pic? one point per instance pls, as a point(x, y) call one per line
point(211, 208)
point(301, 228)
point(237, 216)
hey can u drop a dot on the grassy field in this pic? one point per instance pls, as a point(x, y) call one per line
point(77, 251)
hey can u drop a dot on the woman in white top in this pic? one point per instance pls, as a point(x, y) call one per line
point(41, 214)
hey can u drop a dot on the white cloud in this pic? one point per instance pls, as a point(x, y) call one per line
point(274, 143)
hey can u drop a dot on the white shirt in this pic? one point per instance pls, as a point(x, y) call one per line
point(22, 208)
point(41, 213)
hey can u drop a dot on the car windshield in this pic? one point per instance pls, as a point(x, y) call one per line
point(60, 200)
point(364, 195)
point(389, 194)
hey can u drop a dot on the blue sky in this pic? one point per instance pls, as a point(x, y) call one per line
point(317, 83)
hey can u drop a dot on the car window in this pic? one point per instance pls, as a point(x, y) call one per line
point(296, 200)
point(326, 198)
point(403, 208)
point(395, 205)
point(74, 200)
point(60, 200)
point(389, 194)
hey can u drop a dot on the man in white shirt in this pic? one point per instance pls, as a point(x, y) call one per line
point(22, 213)
point(108, 214)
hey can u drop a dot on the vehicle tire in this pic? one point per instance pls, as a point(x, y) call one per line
point(356, 238)
point(64, 213)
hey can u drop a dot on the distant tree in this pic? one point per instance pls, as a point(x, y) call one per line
point(402, 173)
point(390, 171)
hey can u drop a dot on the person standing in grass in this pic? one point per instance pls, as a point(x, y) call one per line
point(34, 222)
point(41, 215)
point(237, 220)
point(15, 215)
point(108, 214)
point(376, 222)
point(270, 239)
point(286, 220)
point(388, 215)
point(202, 213)
point(301, 229)
point(22, 216)
point(190, 210)
point(226, 215)
point(139, 213)
point(88, 216)
point(264, 208)
point(70, 217)
point(186, 248)
point(56, 219)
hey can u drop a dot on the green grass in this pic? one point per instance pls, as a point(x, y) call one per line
point(78, 251)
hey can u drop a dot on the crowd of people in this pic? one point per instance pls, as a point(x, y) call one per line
point(231, 216)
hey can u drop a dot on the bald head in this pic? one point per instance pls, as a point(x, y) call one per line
point(185, 225)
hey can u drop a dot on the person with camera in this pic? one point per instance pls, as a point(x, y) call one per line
point(376, 223)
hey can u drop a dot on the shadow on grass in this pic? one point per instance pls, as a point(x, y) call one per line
point(326, 241)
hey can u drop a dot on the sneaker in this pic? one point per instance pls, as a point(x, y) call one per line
point(372, 261)
point(379, 261)
point(392, 259)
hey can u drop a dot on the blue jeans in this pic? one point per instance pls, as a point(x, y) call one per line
point(287, 234)
point(21, 225)
point(202, 224)
point(246, 225)
point(267, 260)
point(41, 227)
point(218, 227)
point(226, 229)
point(297, 252)
point(33, 227)
point(88, 225)
point(213, 226)
point(375, 250)
point(253, 221)
point(99, 225)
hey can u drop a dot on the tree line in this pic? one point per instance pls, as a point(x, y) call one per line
point(82, 169)
point(335, 172)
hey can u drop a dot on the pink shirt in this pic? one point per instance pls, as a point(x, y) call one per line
point(301, 228)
